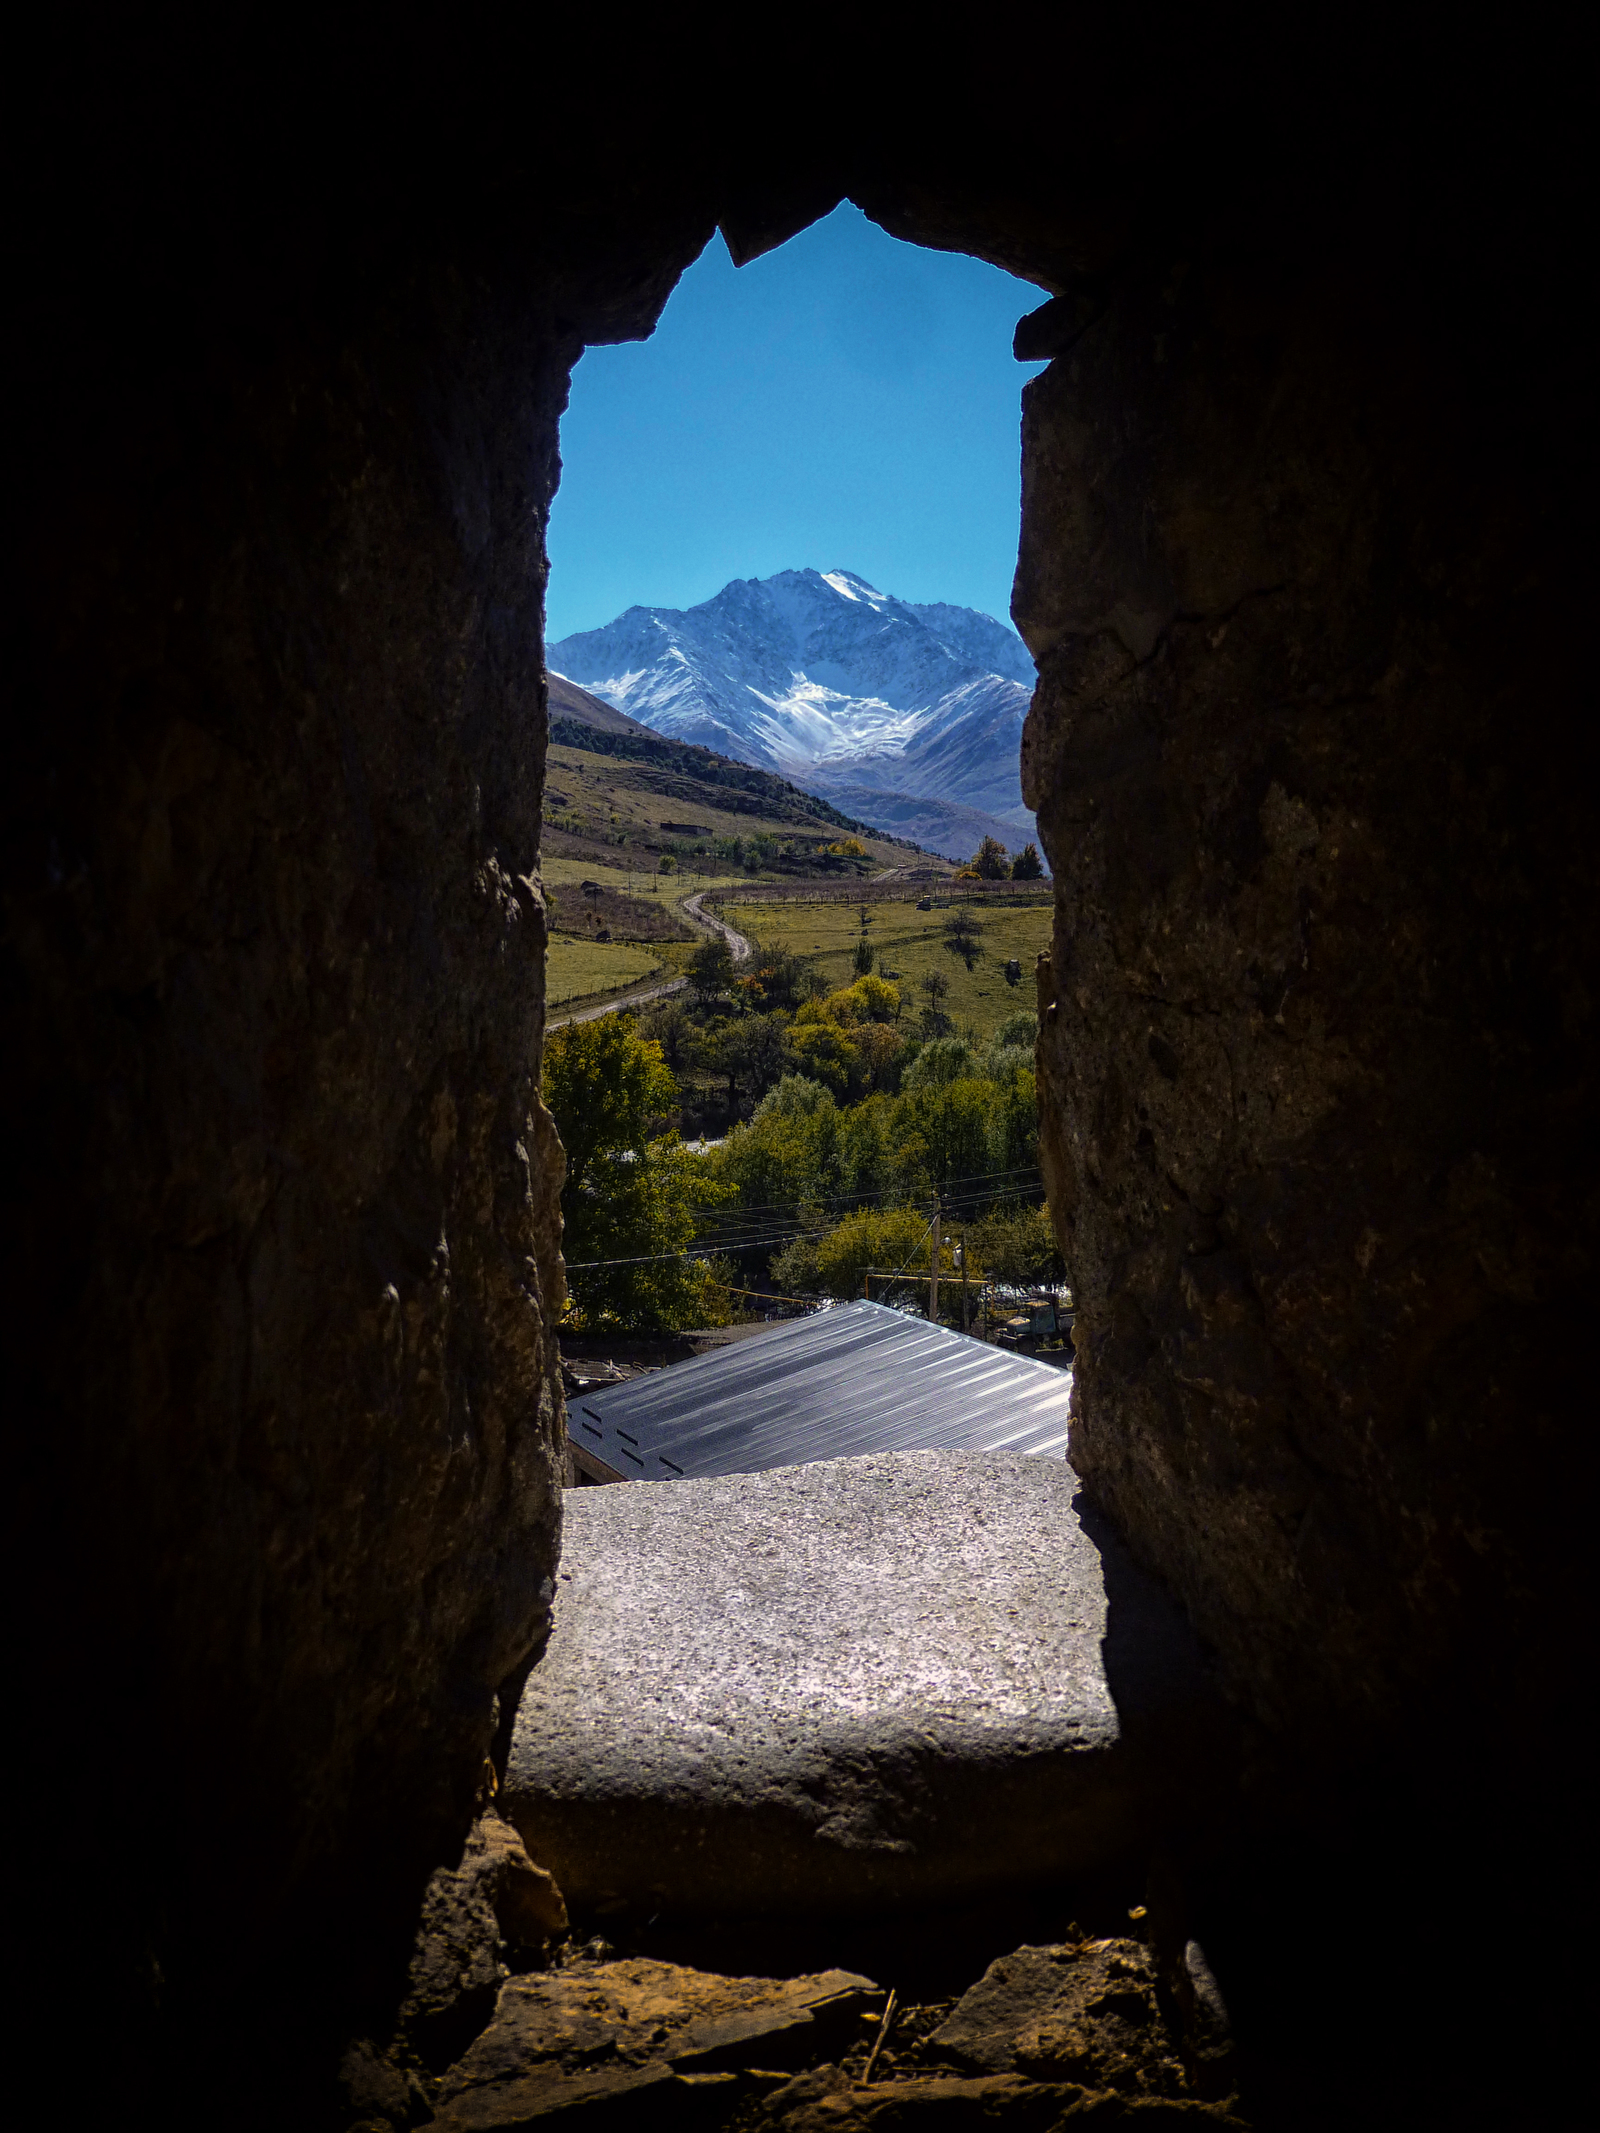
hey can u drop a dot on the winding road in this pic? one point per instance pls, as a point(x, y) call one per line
point(658, 988)
point(692, 910)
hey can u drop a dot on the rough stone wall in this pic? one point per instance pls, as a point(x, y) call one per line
point(281, 933)
point(280, 1215)
point(284, 1500)
point(1317, 1036)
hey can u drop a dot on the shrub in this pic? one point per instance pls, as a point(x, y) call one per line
point(869, 999)
point(795, 1096)
point(1020, 1028)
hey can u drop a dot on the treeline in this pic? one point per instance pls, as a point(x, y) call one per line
point(856, 1114)
point(766, 852)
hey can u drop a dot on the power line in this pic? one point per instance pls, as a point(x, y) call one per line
point(714, 1247)
point(878, 1192)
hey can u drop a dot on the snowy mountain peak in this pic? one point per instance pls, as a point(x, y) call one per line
point(846, 583)
point(824, 678)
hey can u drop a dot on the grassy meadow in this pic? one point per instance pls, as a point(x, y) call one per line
point(578, 968)
point(910, 942)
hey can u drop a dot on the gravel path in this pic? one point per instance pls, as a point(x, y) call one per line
point(657, 989)
point(691, 909)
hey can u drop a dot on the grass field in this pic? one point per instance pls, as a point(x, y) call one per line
point(597, 796)
point(564, 873)
point(911, 942)
point(578, 968)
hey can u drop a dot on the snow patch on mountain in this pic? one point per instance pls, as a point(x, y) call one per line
point(825, 679)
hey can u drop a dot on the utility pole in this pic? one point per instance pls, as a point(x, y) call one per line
point(965, 1323)
point(933, 1268)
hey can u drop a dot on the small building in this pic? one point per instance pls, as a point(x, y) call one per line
point(859, 1378)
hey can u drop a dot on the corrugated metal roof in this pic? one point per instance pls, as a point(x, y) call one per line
point(857, 1379)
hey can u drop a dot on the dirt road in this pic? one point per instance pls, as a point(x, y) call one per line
point(738, 946)
point(658, 988)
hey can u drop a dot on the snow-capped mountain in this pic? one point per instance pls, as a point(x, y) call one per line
point(832, 683)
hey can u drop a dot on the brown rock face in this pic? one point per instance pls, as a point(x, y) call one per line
point(285, 1499)
point(1303, 753)
point(281, 1211)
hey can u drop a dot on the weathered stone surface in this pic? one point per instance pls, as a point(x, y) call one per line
point(1303, 524)
point(1087, 2012)
point(599, 2033)
point(378, 2095)
point(851, 1683)
point(284, 1215)
point(1300, 1057)
point(495, 1900)
point(826, 2101)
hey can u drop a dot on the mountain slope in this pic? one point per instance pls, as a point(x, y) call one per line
point(686, 771)
point(570, 702)
point(831, 683)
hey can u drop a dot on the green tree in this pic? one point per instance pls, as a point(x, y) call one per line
point(710, 970)
point(776, 1161)
point(1027, 866)
point(954, 1123)
point(1015, 1245)
point(962, 936)
point(608, 1089)
point(884, 1238)
point(862, 955)
point(869, 999)
point(782, 975)
point(669, 1023)
point(749, 1052)
point(1014, 1118)
point(822, 1051)
point(939, 1062)
point(1019, 1028)
point(991, 861)
point(628, 1204)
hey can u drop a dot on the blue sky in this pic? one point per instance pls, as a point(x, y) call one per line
point(847, 402)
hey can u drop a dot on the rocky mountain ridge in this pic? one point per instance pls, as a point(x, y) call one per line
point(836, 685)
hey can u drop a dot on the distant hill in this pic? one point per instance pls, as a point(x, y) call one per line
point(579, 720)
point(838, 687)
point(568, 701)
point(942, 826)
